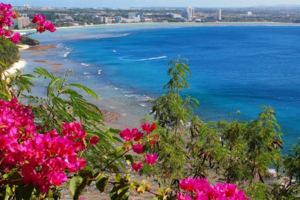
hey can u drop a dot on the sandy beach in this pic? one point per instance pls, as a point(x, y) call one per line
point(23, 47)
point(15, 67)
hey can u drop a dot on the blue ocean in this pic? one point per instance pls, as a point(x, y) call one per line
point(236, 70)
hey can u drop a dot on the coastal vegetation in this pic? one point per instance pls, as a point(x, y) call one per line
point(9, 53)
point(29, 41)
point(61, 138)
point(240, 152)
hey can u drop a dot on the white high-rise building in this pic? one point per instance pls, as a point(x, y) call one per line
point(132, 15)
point(220, 15)
point(23, 21)
point(190, 13)
point(26, 6)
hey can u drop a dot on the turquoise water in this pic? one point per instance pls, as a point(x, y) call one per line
point(236, 70)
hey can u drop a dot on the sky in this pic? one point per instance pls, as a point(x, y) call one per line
point(152, 3)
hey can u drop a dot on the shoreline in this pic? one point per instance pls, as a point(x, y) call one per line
point(185, 24)
point(20, 64)
point(111, 117)
point(15, 67)
point(23, 47)
point(113, 104)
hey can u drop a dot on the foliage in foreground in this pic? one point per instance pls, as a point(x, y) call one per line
point(61, 138)
point(239, 152)
point(36, 165)
point(181, 145)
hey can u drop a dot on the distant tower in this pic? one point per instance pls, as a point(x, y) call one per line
point(220, 15)
point(190, 13)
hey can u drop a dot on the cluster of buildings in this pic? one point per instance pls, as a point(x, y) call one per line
point(91, 16)
point(132, 17)
point(22, 22)
point(75, 17)
point(191, 16)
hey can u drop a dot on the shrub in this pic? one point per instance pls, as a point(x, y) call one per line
point(9, 53)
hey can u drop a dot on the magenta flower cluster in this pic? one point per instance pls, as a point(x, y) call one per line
point(138, 140)
point(7, 15)
point(201, 189)
point(43, 160)
point(43, 24)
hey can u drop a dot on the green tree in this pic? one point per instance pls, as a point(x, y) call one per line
point(263, 137)
point(233, 143)
point(172, 109)
point(292, 163)
point(173, 112)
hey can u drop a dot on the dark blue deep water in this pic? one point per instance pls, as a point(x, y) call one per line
point(236, 70)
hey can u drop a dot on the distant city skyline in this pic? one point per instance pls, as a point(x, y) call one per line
point(152, 3)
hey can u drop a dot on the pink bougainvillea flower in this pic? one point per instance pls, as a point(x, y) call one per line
point(153, 127)
point(94, 140)
point(153, 140)
point(39, 19)
point(138, 148)
point(42, 24)
point(40, 29)
point(229, 191)
point(200, 195)
point(16, 37)
point(49, 26)
point(137, 166)
point(151, 158)
point(126, 135)
point(7, 33)
point(193, 184)
point(57, 178)
point(43, 159)
point(73, 130)
point(187, 184)
point(136, 134)
point(148, 128)
point(181, 196)
point(7, 15)
point(201, 189)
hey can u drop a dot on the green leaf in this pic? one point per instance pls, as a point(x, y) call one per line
point(120, 192)
point(8, 193)
point(74, 186)
point(44, 73)
point(129, 158)
point(86, 172)
point(101, 183)
point(115, 131)
point(51, 85)
point(86, 89)
point(23, 192)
